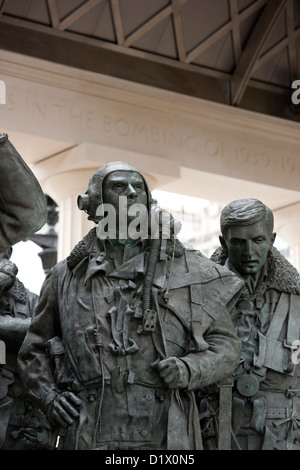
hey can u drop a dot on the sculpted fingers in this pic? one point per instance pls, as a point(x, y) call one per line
point(73, 398)
point(63, 409)
point(59, 418)
point(168, 372)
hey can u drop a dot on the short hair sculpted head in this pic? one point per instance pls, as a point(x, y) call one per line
point(245, 212)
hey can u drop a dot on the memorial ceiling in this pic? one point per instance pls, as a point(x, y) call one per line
point(243, 53)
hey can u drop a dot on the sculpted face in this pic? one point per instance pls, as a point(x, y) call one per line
point(124, 183)
point(248, 246)
point(128, 184)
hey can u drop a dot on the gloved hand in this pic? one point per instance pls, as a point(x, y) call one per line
point(174, 372)
point(64, 409)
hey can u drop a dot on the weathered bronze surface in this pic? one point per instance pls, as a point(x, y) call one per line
point(23, 206)
point(23, 211)
point(22, 425)
point(127, 329)
point(266, 391)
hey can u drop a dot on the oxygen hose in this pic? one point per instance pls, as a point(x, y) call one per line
point(152, 260)
point(165, 224)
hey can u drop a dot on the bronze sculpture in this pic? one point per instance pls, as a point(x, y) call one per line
point(127, 328)
point(266, 392)
point(22, 202)
point(23, 211)
point(23, 426)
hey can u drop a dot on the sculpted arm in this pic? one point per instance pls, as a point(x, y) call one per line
point(13, 330)
point(23, 209)
point(217, 351)
point(219, 356)
point(34, 364)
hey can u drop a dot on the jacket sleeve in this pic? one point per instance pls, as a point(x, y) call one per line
point(33, 361)
point(213, 291)
point(221, 356)
point(23, 208)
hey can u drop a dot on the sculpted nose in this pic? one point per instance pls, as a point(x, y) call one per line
point(249, 248)
point(131, 192)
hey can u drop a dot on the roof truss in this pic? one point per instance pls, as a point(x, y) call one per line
point(234, 85)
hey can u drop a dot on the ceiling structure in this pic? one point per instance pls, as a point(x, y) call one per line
point(243, 53)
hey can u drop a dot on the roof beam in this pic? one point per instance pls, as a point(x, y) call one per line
point(75, 15)
point(292, 47)
point(210, 40)
point(103, 45)
point(69, 49)
point(236, 36)
point(272, 52)
point(146, 27)
point(52, 6)
point(117, 19)
point(2, 5)
point(178, 29)
point(90, 54)
point(254, 46)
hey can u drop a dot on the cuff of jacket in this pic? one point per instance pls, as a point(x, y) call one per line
point(194, 372)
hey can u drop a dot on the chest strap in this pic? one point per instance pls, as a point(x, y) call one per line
point(277, 352)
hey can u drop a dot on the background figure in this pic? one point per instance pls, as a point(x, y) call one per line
point(23, 211)
point(266, 394)
point(23, 426)
point(128, 327)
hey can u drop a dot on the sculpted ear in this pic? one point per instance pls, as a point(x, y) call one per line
point(273, 237)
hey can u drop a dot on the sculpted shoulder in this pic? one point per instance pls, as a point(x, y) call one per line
point(211, 270)
point(212, 286)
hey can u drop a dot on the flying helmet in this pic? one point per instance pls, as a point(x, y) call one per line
point(93, 196)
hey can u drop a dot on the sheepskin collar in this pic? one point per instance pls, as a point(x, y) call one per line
point(282, 276)
point(83, 248)
point(18, 291)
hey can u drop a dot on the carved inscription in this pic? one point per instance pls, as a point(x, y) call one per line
point(80, 119)
point(69, 114)
point(152, 134)
point(251, 157)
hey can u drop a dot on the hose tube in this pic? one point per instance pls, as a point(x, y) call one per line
point(152, 260)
